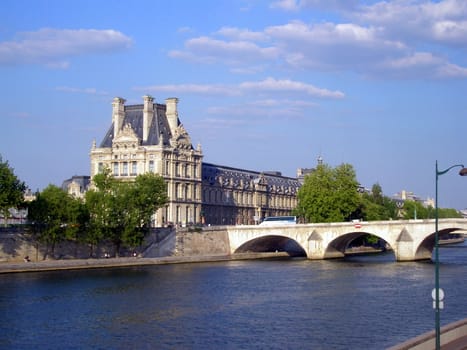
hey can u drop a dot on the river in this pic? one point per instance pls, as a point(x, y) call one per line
point(368, 302)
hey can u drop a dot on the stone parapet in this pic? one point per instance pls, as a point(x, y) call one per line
point(453, 337)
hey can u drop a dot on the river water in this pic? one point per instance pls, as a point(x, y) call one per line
point(360, 302)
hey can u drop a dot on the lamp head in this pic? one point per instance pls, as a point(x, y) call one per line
point(463, 172)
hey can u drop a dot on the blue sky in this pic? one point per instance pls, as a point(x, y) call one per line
point(263, 85)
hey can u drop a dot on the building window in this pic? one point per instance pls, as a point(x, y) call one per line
point(133, 168)
point(100, 167)
point(151, 166)
point(115, 169)
point(125, 169)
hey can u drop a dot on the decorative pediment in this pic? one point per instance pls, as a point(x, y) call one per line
point(127, 132)
point(126, 137)
point(181, 139)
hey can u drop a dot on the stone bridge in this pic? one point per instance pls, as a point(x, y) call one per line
point(410, 239)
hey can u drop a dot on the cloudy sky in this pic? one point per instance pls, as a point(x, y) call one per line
point(263, 85)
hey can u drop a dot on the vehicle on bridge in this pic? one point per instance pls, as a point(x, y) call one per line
point(279, 220)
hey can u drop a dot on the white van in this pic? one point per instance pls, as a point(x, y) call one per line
point(279, 220)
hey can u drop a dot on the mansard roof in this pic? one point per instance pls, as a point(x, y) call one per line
point(82, 180)
point(134, 117)
point(212, 173)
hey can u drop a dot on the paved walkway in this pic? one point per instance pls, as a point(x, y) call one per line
point(458, 344)
point(75, 264)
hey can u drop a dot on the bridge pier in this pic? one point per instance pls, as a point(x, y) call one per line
point(318, 249)
point(315, 247)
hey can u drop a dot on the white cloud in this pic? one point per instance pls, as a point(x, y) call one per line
point(204, 89)
point(449, 70)
point(53, 47)
point(269, 85)
point(274, 85)
point(90, 91)
point(442, 22)
point(205, 49)
point(185, 29)
point(277, 102)
point(241, 34)
point(400, 38)
point(257, 111)
point(332, 46)
point(287, 5)
point(297, 5)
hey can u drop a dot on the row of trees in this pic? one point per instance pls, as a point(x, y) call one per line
point(331, 195)
point(120, 212)
point(114, 211)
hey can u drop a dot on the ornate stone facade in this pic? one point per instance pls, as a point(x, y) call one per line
point(240, 197)
point(150, 138)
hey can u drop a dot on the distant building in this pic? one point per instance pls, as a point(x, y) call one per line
point(150, 138)
point(302, 172)
point(406, 195)
point(18, 215)
point(77, 185)
point(237, 196)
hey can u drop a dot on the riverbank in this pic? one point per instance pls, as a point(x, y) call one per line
point(80, 264)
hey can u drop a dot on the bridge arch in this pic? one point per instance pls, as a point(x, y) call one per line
point(410, 239)
point(337, 247)
point(272, 243)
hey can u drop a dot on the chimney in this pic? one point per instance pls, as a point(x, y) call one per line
point(118, 113)
point(148, 115)
point(172, 113)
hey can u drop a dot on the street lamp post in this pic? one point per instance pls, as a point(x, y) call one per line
point(462, 172)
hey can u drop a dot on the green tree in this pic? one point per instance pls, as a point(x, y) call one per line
point(11, 189)
point(121, 211)
point(101, 204)
point(448, 213)
point(56, 216)
point(147, 194)
point(377, 194)
point(414, 210)
point(376, 206)
point(329, 194)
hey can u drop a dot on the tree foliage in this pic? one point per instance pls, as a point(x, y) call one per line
point(121, 211)
point(329, 194)
point(376, 206)
point(57, 216)
point(416, 210)
point(11, 189)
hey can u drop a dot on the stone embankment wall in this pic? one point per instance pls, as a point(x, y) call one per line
point(16, 244)
point(202, 241)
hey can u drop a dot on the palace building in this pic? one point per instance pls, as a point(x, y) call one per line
point(149, 137)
